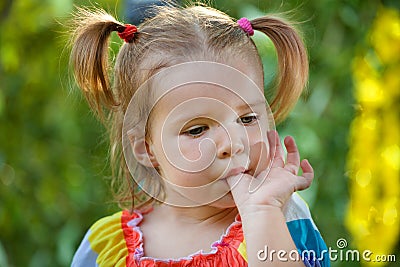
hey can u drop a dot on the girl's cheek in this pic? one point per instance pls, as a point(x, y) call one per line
point(196, 154)
point(189, 148)
point(258, 150)
point(191, 153)
point(261, 147)
point(259, 157)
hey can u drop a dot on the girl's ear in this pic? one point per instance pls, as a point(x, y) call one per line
point(141, 151)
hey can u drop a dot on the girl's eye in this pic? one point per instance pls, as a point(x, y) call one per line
point(248, 119)
point(196, 131)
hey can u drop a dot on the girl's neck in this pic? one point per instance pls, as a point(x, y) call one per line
point(187, 230)
point(196, 215)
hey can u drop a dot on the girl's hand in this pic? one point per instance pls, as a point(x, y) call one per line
point(274, 187)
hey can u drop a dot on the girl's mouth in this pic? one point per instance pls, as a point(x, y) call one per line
point(237, 171)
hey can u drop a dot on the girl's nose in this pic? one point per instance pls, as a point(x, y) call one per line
point(229, 143)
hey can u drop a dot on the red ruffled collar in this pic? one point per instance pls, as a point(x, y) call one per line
point(224, 252)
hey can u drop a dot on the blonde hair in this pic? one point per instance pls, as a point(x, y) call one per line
point(174, 35)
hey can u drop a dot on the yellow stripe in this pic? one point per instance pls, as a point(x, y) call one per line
point(242, 250)
point(107, 240)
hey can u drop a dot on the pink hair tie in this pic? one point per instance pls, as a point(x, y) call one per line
point(245, 24)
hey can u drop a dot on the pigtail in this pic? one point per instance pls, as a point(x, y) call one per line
point(89, 56)
point(292, 73)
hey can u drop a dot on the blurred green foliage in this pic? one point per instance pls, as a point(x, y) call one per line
point(53, 153)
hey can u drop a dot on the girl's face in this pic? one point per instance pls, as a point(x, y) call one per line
point(202, 133)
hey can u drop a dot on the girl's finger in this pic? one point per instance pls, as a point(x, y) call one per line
point(239, 185)
point(305, 180)
point(293, 157)
point(278, 158)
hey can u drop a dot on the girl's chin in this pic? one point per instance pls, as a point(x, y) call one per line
point(215, 194)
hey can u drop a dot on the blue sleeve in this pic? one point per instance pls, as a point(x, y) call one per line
point(305, 234)
point(84, 256)
point(309, 243)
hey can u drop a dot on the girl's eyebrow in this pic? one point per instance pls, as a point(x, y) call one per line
point(251, 105)
point(239, 108)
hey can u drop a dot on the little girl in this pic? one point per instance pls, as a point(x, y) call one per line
point(199, 168)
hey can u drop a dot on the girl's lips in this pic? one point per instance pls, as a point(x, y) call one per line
point(235, 171)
